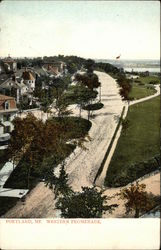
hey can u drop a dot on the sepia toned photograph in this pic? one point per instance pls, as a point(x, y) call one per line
point(79, 113)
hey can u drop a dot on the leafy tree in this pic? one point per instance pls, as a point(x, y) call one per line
point(61, 106)
point(137, 199)
point(45, 106)
point(35, 140)
point(89, 65)
point(80, 95)
point(89, 203)
point(22, 137)
point(125, 86)
point(90, 80)
point(72, 68)
point(23, 133)
point(42, 80)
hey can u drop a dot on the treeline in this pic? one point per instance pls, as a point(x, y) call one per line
point(73, 63)
point(106, 67)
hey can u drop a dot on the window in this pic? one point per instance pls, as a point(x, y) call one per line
point(7, 105)
point(7, 129)
point(6, 117)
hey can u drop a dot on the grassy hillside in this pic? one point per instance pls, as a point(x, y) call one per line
point(138, 142)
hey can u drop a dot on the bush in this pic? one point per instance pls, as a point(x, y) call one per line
point(141, 84)
point(94, 106)
point(89, 203)
point(132, 172)
point(153, 82)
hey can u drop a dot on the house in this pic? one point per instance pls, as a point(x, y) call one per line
point(13, 87)
point(8, 65)
point(55, 68)
point(29, 79)
point(8, 111)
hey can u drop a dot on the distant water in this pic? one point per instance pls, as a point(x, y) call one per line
point(155, 69)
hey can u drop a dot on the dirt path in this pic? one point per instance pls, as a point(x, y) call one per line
point(82, 166)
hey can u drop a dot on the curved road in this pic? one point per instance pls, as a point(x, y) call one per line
point(82, 166)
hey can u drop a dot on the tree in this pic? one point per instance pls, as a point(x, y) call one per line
point(137, 199)
point(81, 95)
point(21, 140)
point(72, 67)
point(59, 85)
point(45, 107)
point(125, 86)
point(59, 184)
point(90, 203)
point(89, 65)
point(90, 80)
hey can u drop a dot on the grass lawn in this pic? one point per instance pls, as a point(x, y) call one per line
point(138, 92)
point(139, 142)
point(149, 79)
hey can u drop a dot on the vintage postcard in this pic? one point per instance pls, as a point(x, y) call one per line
point(79, 124)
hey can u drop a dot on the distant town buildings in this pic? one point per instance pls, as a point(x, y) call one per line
point(20, 83)
point(8, 65)
point(17, 85)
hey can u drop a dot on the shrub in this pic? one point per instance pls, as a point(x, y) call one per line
point(153, 82)
point(94, 106)
point(132, 172)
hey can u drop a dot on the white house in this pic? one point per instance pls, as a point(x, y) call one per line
point(8, 111)
point(14, 88)
point(29, 79)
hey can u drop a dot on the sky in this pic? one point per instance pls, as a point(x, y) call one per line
point(90, 29)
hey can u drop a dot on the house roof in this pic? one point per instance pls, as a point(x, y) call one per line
point(27, 75)
point(10, 83)
point(3, 77)
point(8, 60)
point(40, 71)
point(5, 98)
